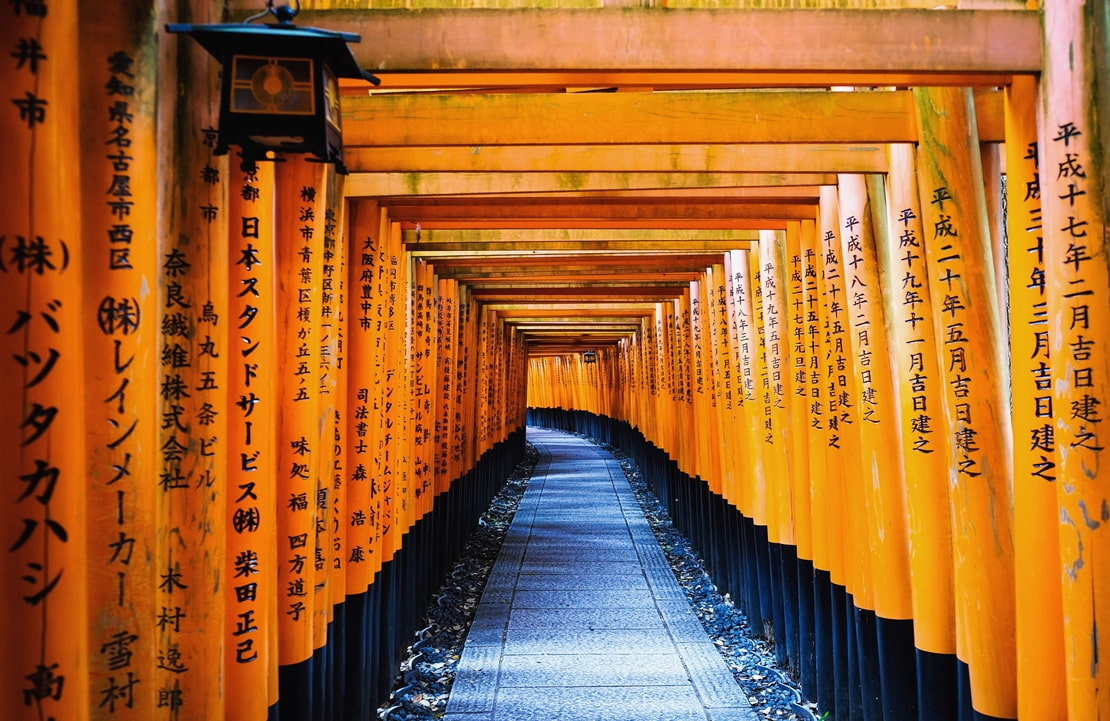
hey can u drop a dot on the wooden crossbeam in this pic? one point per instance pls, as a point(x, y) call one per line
point(561, 326)
point(754, 223)
point(839, 43)
point(657, 239)
point(640, 81)
point(775, 161)
point(538, 184)
point(758, 116)
point(472, 209)
point(436, 250)
point(539, 287)
point(489, 277)
point(553, 310)
point(547, 266)
point(543, 294)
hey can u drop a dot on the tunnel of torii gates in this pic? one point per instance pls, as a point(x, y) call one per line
point(841, 273)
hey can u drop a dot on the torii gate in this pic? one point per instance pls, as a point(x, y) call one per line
point(722, 157)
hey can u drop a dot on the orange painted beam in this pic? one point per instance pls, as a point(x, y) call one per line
point(463, 81)
point(770, 158)
point(758, 116)
point(433, 211)
point(922, 42)
point(602, 224)
point(562, 184)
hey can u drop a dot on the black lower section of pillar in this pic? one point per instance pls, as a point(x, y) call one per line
point(295, 689)
point(838, 618)
point(807, 634)
point(867, 657)
point(320, 683)
point(897, 668)
point(823, 649)
point(854, 665)
point(937, 695)
point(356, 655)
point(350, 675)
point(788, 561)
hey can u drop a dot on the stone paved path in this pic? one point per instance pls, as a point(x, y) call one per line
point(582, 619)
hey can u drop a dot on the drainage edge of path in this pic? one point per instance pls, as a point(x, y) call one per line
point(423, 682)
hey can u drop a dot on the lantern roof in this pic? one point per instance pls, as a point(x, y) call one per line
point(279, 38)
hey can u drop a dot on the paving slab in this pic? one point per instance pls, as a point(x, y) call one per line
point(595, 669)
point(582, 619)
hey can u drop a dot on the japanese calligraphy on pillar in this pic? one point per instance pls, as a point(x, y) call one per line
point(423, 373)
point(775, 368)
point(971, 368)
point(252, 547)
point(724, 322)
point(387, 455)
point(815, 408)
point(1074, 178)
point(1029, 267)
point(325, 494)
point(42, 502)
point(775, 341)
point(334, 375)
point(915, 352)
point(743, 321)
point(882, 473)
point(448, 333)
point(1037, 565)
point(193, 444)
point(1078, 266)
point(812, 338)
point(121, 370)
point(951, 310)
point(663, 362)
point(364, 348)
point(837, 345)
point(460, 439)
point(301, 441)
point(696, 338)
point(859, 318)
point(683, 350)
point(798, 359)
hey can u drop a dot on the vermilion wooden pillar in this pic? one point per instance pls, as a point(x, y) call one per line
point(44, 671)
point(925, 448)
point(1074, 182)
point(775, 383)
point(194, 409)
point(363, 351)
point(803, 362)
point(250, 575)
point(120, 208)
point(301, 445)
point(1037, 567)
point(976, 410)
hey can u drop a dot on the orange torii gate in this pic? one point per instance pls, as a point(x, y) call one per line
point(781, 286)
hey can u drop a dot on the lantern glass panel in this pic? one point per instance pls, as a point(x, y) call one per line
point(272, 85)
point(331, 98)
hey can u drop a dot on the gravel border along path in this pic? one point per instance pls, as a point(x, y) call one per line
point(423, 682)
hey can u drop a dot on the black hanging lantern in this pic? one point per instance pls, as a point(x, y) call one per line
point(589, 356)
point(280, 90)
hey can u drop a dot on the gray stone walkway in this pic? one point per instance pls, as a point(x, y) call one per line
point(582, 619)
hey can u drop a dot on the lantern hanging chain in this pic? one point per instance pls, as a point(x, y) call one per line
point(284, 14)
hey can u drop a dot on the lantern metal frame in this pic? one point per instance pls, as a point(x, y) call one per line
point(279, 85)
